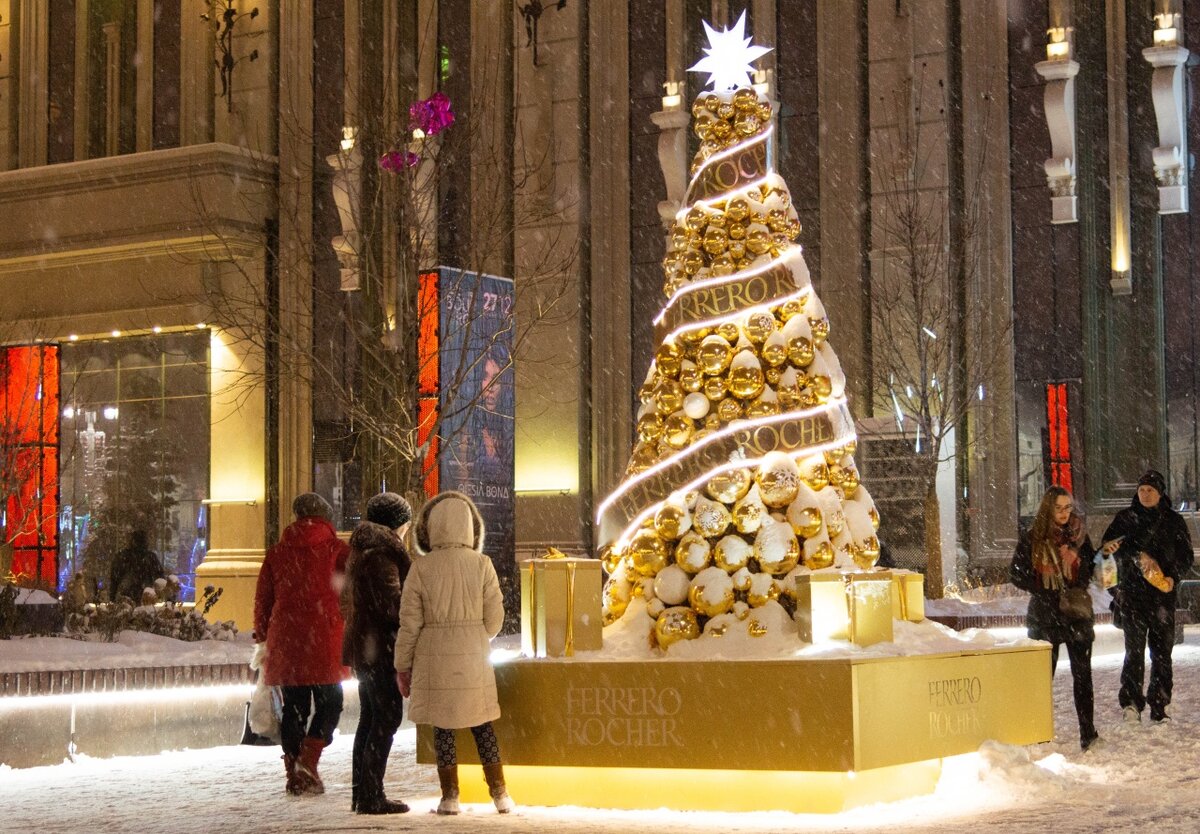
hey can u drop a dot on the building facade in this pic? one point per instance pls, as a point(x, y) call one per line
point(194, 229)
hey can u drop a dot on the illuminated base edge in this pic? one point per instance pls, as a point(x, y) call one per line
point(628, 788)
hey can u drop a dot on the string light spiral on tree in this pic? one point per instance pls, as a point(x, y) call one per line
point(743, 472)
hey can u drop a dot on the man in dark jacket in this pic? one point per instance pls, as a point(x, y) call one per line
point(370, 600)
point(1153, 552)
point(297, 622)
point(134, 569)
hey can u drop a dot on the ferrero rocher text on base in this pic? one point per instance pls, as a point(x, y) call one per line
point(818, 718)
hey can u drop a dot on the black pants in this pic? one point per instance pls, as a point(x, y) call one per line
point(1080, 654)
point(381, 709)
point(1156, 622)
point(325, 703)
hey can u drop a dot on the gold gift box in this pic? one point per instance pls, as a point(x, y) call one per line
point(845, 606)
point(560, 607)
point(908, 596)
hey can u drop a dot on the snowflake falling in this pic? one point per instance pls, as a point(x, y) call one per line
point(728, 56)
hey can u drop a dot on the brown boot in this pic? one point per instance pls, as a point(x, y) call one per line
point(448, 776)
point(289, 764)
point(308, 779)
point(493, 774)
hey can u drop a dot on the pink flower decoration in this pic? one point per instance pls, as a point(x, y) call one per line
point(397, 161)
point(431, 115)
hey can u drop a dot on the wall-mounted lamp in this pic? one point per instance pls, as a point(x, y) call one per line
point(347, 188)
point(223, 17)
point(673, 97)
point(1058, 45)
point(1168, 89)
point(1059, 71)
point(1166, 29)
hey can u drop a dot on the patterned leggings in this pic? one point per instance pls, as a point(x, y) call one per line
point(485, 743)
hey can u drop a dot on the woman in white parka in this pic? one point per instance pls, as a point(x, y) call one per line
point(450, 610)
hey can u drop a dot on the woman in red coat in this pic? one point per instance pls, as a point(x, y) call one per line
point(298, 625)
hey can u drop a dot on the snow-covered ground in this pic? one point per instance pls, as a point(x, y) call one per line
point(131, 649)
point(1143, 777)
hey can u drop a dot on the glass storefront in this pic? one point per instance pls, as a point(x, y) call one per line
point(135, 452)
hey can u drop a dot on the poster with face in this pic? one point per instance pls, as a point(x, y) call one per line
point(476, 401)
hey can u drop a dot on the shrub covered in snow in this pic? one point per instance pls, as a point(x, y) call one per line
point(168, 619)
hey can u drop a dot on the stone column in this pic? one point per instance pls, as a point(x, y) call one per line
point(611, 384)
point(32, 93)
point(295, 279)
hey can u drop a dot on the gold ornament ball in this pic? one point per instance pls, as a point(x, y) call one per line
point(610, 558)
point(693, 262)
point(737, 250)
point(835, 522)
point(774, 353)
point(819, 557)
point(729, 331)
point(722, 265)
point(778, 484)
point(693, 552)
point(746, 382)
point(762, 408)
point(695, 220)
point(689, 340)
point(715, 388)
point(714, 355)
point(817, 476)
point(764, 112)
point(703, 604)
point(647, 553)
point(737, 210)
point(758, 241)
point(710, 518)
point(761, 593)
point(731, 553)
point(850, 480)
point(747, 125)
point(690, 378)
point(716, 240)
point(678, 429)
point(773, 375)
point(748, 514)
point(668, 395)
point(866, 553)
point(820, 329)
point(759, 326)
point(791, 307)
point(805, 521)
point(800, 351)
point(821, 385)
point(649, 427)
point(729, 486)
point(873, 514)
point(712, 102)
point(725, 110)
point(676, 624)
point(777, 220)
point(720, 131)
point(737, 232)
point(729, 410)
point(745, 100)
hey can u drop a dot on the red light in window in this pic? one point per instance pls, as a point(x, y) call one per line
point(1057, 420)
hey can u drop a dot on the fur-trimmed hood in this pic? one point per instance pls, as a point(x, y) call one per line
point(450, 519)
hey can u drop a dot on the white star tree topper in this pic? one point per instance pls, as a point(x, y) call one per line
point(728, 56)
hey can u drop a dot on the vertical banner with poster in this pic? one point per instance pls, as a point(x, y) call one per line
point(473, 422)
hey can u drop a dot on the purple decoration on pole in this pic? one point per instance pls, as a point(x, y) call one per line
point(397, 161)
point(431, 115)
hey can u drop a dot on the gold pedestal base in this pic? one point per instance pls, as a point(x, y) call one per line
point(815, 735)
point(633, 788)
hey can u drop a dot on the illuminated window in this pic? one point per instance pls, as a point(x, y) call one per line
point(29, 404)
point(1057, 415)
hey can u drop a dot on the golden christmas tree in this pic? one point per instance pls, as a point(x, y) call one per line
point(743, 473)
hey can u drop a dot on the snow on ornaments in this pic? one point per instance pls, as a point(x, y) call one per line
point(742, 477)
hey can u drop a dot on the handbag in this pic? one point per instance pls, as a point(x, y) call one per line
point(1075, 604)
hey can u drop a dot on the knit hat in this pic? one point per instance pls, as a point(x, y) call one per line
point(389, 509)
point(1154, 479)
point(310, 504)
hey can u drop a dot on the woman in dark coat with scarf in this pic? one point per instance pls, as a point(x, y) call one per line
point(1053, 556)
point(1153, 552)
point(375, 576)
